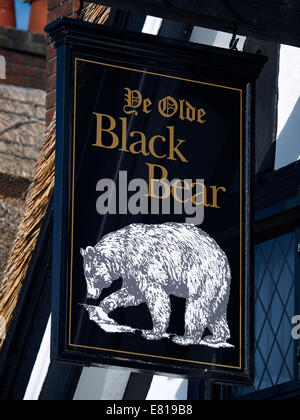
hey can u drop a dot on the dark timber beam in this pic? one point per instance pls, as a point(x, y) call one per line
point(266, 105)
point(271, 20)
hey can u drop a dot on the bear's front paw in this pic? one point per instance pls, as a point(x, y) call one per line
point(107, 306)
point(152, 335)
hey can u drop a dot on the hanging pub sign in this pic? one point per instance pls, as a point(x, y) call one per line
point(153, 219)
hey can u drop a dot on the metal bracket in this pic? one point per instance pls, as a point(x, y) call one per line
point(79, 11)
point(234, 41)
point(50, 42)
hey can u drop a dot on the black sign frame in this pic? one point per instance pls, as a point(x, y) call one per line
point(76, 40)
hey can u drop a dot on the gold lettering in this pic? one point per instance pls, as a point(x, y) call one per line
point(151, 146)
point(174, 149)
point(142, 143)
point(215, 191)
point(147, 104)
point(190, 112)
point(101, 130)
point(202, 195)
point(162, 180)
point(181, 109)
point(177, 185)
point(201, 114)
point(168, 107)
point(134, 99)
point(124, 135)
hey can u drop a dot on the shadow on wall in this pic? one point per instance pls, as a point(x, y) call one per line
point(288, 142)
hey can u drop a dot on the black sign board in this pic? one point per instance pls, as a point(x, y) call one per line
point(152, 241)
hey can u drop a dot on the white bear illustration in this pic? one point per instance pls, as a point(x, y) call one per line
point(156, 261)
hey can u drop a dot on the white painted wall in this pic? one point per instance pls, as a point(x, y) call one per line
point(41, 368)
point(215, 38)
point(152, 25)
point(168, 389)
point(288, 134)
point(97, 384)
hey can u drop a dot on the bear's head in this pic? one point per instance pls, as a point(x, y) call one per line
point(96, 271)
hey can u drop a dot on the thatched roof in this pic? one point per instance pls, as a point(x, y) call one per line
point(36, 205)
point(11, 211)
point(22, 129)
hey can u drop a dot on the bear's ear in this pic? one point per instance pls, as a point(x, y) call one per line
point(90, 251)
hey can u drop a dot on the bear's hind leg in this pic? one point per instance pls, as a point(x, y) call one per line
point(195, 323)
point(220, 333)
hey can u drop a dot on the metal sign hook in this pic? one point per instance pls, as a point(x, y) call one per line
point(234, 41)
point(79, 11)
